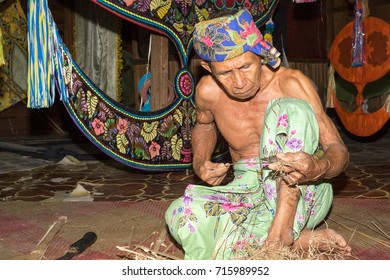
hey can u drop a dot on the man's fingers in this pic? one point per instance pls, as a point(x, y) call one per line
point(282, 166)
point(219, 168)
point(217, 181)
point(293, 178)
point(216, 172)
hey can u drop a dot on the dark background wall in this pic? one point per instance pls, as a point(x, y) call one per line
point(307, 30)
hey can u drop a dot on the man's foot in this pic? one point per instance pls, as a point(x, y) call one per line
point(279, 236)
point(323, 240)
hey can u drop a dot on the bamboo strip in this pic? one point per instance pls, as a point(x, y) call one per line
point(384, 243)
point(38, 253)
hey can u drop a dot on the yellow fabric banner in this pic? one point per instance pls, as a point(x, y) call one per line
point(13, 73)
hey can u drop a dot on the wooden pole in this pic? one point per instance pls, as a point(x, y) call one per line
point(159, 71)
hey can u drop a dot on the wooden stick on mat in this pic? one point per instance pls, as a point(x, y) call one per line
point(147, 253)
point(38, 253)
point(377, 240)
point(160, 238)
point(384, 233)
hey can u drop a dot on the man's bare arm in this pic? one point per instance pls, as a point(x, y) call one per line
point(336, 156)
point(204, 138)
point(336, 153)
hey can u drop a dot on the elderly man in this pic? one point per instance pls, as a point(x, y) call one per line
point(282, 143)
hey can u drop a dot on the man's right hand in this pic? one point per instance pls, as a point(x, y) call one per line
point(212, 173)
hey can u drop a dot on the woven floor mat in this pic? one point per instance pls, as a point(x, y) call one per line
point(115, 223)
point(364, 222)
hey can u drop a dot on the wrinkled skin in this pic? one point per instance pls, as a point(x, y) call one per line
point(233, 98)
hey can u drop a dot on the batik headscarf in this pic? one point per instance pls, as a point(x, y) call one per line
point(229, 36)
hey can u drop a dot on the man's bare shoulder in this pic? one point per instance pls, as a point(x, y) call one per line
point(290, 74)
point(207, 90)
point(294, 83)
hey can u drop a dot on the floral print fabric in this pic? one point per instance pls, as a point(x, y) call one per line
point(217, 222)
point(230, 36)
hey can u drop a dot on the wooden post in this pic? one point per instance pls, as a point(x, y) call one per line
point(69, 14)
point(159, 71)
point(139, 66)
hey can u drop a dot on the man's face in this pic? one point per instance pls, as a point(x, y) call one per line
point(239, 76)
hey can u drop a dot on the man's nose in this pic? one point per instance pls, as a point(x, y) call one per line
point(239, 80)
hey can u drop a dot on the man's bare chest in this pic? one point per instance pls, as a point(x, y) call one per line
point(241, 123)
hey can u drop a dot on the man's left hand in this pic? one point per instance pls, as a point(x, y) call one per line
point(299, 167)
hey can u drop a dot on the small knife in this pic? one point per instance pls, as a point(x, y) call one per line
point(79, 246)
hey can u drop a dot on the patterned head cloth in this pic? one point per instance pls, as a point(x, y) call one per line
point(226, 37)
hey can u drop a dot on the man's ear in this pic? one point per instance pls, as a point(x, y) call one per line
point(205, 65)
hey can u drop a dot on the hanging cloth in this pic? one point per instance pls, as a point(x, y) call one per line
point(358, 36)
point(45, 62)
point(2, 60)
point(13, 73)
point(98, 47)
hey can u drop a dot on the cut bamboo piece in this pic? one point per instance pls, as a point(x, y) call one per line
point(38, 253)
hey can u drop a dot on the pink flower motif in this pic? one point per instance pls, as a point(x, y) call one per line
point(251, 29)
point(232, 207)
point(129, 2)
point(154, 150)
point(293, 132)
point(187, 211)
point(250, 163)
point(206, 39)
point(247, 4)
point(241, 244)
point(98, 126)
point(299, 217)
point(186, 84)
point(283, 120)
point(261, 7)
point(122, 125)
point(270, 141)
point(187, 153)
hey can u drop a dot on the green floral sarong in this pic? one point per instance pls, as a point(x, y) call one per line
point(216, 222)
